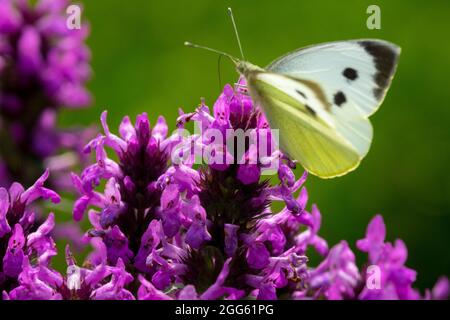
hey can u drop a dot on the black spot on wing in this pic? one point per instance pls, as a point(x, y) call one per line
point(350, 74)
point(311, 110)
point(339, 98)
point(301, 93)
point(385, 58)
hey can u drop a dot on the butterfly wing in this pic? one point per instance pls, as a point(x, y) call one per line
point(324, 94)
point(306, 134)
point(355, 71)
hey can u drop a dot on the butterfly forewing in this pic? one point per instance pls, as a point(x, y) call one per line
point(357, 71)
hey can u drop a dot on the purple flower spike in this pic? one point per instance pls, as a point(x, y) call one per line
point(388, 263)
point(164, 232)
point(96, 282)
point(21, 235)
point(44, 67)
point(236, 232)
point(127, 212)
point(385, 278)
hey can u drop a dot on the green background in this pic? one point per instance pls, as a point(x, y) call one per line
point(140, 64)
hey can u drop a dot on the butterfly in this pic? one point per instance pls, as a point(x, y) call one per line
point(320, 99)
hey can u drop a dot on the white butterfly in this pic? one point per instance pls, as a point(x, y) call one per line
point(320, 98)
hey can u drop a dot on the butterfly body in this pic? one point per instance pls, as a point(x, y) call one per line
point(320, 98)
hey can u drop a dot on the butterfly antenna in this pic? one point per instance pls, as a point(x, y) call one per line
point(218, 72)
point(193, 45)
point(230, 12)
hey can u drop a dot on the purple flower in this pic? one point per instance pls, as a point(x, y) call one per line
point(395, 279)
point(211, 233)
point(21, 236)
point(337, 276)
point(35, 283)
point(43, 66)
point(230, 237)
point(197, 232)
point(114, 289)
point(440, 290)
point(385, 277)
point(99, 282)
point(12, 261)
point(257, 255)
point(374, 241)
point(227, 224)
point(217, 290)
point(134, 198)
point(147, 291)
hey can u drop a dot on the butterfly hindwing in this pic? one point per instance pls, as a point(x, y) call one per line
point(296, 109)
point(353, 127)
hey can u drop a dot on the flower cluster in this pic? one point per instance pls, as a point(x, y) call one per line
point(228, 232)
point(96, 282)
point(165, 230)
point(26, 249)
point(384, 278)
point(132, 198)
point(43, 67)
point(396, 280)
point(21, 237)
point(210, 232)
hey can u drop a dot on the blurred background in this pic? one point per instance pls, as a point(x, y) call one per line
point(140, 64)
